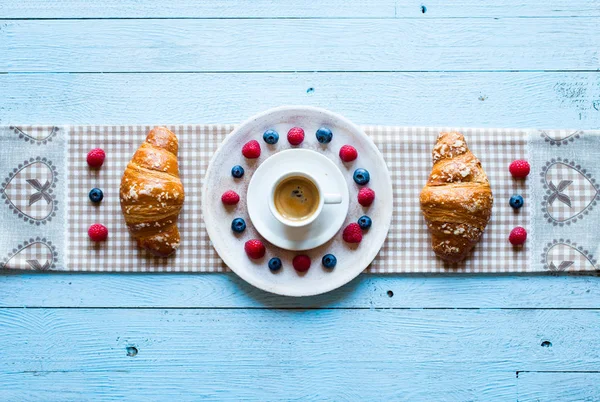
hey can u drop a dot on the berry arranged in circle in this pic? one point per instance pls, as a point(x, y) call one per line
point(254, 249)
point(361, 176)
point(230, 197)
point(96, 195)
point(324, 135)
point(98, 232)
point(364, 222)
point(271, 137)
point(295, 136)
point(516, 201)
point(517, 236)
point(352, 233)
point(95, 158)
point(329, 261)
point(238, 225)
point(301, 263)
point(519, 169)
point(348, 153)
point(237, 171)
point(251, 149)
point(366, 196)
point(275, 264)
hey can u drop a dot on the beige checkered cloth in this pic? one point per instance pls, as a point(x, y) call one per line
point(407, 152)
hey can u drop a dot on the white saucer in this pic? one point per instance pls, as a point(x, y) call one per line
point(327, 223)
point(352, 259)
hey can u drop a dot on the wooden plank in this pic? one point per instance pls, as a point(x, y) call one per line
point(206, 9)
point(228, 291)
point(295, 9)
point(299, 354)
point(551, 100)
point(299, 45)
point(274, 382)
point(558, 386)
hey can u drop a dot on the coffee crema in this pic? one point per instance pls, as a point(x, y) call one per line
point(296, 198)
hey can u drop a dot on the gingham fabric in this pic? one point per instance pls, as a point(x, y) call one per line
point(120, 253)
point(407, 152)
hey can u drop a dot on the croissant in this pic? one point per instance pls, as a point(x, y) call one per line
point(152, 195)
point(457, 199)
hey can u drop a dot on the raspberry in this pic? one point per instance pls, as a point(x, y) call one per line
point(517, 236)
point(301, 263)
point(352, 233)
point(95, 158)
point(519, 169)
point(348, 153)
point(254, 249)
point(98, 232)
point(251, 149)
point(230, 197)
point(295, 136)
point(366, 196)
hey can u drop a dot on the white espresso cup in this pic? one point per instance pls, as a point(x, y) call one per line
point(324, 198)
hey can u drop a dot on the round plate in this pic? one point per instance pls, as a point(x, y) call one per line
point(352, 259)
point(327, 223)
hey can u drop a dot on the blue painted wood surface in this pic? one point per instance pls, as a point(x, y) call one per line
point(188, 337)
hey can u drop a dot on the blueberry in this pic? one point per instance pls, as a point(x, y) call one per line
point(516, 201)
point(238, 225)
point(237, 171)
point(271, 137)
point(274, 264)
point(324, 135)
point(361, 176)
point(329, 261)
point(364, 222)
point(96, 195)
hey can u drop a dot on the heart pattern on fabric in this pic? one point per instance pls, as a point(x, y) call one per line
point(560, 137)
point(564, 255)
point(571, 192)
point(37, 135)
point(29, 190)
point(35, 254)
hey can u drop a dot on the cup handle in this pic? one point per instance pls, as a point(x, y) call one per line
point(333, 198)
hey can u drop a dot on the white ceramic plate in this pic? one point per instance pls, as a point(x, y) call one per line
point(352, 259)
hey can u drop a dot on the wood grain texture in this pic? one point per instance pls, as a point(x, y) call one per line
point(301, 354)
point(296, 9)
point(113, 337)
point(551, 100)
point(557, 386)
point(299, 45)
point(365, 292)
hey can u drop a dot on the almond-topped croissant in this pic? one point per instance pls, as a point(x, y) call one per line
point(457, 199)
point(152, 194)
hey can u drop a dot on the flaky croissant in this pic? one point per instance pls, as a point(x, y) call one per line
point(457, 199)
point(152, 195)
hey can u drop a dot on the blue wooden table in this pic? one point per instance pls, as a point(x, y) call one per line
point(77, 337)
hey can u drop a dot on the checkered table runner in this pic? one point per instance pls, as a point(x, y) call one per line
point(407, 152)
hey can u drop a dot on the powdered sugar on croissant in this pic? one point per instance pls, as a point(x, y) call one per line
point(152, 194)
point(457, 199)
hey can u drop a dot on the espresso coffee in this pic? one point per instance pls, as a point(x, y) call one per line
point(296, 198)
